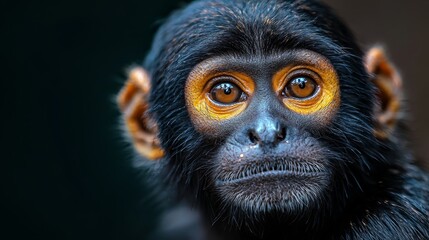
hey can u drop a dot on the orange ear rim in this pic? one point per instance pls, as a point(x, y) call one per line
point(389, 85)
point(133, 103)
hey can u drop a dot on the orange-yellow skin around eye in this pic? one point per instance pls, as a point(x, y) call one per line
point(197, 92)
point(327, 94)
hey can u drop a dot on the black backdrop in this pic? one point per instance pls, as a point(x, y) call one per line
point(70, 174)
point(66, 169)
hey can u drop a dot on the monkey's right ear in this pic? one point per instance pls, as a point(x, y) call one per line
point(133, 103)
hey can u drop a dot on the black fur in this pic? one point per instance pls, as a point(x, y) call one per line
point(378, 192)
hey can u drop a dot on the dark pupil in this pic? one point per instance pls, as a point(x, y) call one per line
point(226, 88)
point(301, 82)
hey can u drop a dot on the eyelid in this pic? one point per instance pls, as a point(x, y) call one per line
point(216, 79)
point(299, 72)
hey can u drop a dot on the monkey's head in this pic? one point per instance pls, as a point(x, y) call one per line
point(251, 111)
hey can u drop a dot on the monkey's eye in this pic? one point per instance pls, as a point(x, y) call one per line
point(300, 87)
point(227, 93)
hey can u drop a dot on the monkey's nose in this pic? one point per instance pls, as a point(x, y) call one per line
point(267, 133)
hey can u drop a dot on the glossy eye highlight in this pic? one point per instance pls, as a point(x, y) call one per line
point(300, 87)
point(226, 93)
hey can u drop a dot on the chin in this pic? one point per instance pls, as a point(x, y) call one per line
point(274, 194)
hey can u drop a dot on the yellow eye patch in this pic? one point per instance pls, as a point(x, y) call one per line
point(217, 95)
point(308, 88)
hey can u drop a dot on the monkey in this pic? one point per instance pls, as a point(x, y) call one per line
point(269, 121)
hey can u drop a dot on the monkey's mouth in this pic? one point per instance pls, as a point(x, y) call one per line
point(271, 169)
point(263, 183)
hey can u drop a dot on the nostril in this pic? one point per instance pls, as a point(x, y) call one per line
point(253, 136)
point(281, 135)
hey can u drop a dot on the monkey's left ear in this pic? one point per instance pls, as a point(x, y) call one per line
point(389, 85)
point(133, 103)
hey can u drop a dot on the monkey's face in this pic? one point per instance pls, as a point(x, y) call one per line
point(268, 114)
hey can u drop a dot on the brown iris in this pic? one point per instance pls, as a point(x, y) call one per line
point(301, 87)
point(226, 93)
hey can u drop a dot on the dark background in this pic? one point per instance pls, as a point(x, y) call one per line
point(66, 169)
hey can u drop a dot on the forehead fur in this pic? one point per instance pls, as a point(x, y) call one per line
point(247, 27)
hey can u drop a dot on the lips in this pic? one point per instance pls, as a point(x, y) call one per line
point(270, 168)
